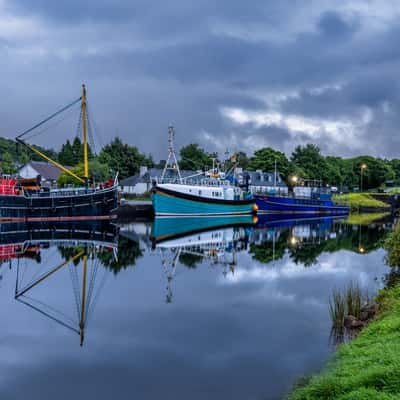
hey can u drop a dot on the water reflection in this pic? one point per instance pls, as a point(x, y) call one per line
point(83, 248)
point(247, 309)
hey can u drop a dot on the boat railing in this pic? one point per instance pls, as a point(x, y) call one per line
point(193, 181)
point(65, 192)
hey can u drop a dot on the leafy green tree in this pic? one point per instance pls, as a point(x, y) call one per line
point(8, 164)
point(23, 157)
point(335, 170)
point(395, 165)
point(310, 160)
point(376, 173)
point(265, 158)
point(72, 154)
point(123, 158)
point(193, 157)
point(66, 155)
point(98, 172)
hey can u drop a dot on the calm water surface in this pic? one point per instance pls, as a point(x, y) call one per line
point(228, 313)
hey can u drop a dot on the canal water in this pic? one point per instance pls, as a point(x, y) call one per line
point(176, 309)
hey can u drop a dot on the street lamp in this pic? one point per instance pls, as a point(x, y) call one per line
point(362, 167)
point(294, 179)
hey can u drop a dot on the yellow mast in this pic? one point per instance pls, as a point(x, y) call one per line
point(85, 147)
point(82, 321)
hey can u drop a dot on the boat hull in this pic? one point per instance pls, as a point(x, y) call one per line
point(84, 205)
point(300, 207)
point(169, 203)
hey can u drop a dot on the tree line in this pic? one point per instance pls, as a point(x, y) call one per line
point(306, 162)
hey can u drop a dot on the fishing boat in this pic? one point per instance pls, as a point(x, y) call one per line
point(310, 198)
point(203, 195)
point(25, 200)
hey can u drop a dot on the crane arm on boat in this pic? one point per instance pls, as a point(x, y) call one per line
point(58, 165)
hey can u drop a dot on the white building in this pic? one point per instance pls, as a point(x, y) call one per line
point(48, 173)
point(142, 182)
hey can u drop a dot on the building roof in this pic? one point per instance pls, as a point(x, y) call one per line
point(156, 172)
point(257, 178)
point(46, 170)
point(130, 181)
point(265, 179)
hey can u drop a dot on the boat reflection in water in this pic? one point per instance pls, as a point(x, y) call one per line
point(191, 240)
point(79, 247)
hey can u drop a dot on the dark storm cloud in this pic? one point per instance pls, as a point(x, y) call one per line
point(148, 64)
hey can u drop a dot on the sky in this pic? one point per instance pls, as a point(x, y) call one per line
point(229, 75)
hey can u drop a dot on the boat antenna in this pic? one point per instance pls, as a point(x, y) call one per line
point(171, 155)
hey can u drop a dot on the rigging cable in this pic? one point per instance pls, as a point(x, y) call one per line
point(50, 126)
point(49, 118)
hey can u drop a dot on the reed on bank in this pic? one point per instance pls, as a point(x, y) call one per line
point(369, 366)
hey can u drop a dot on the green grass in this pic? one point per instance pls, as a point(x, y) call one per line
point(357, 200)
point(369, 366)
point(395, 190)
point(365, 218)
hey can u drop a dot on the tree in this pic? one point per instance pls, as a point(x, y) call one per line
point(66, 155)
point(193, 157)
point(395, 165)
point(265, 158)
point(72, 154)
point(98, 172)
point(376, 173)
point(8, 164)
point(123, 158)
point(310, 160)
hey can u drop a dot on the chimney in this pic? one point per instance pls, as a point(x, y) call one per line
point(143, 170)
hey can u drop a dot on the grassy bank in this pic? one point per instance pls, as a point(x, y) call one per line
point(359, 200)
point(369, 366)
point(365, 218)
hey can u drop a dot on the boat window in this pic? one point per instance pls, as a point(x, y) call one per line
point(199, 192)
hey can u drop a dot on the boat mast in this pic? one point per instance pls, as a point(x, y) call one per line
point(82, 321)
point(20, 139)
point(85, 146)
point(171, 155)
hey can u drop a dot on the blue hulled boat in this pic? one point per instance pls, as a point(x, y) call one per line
point(293, 205)
point(305, 200)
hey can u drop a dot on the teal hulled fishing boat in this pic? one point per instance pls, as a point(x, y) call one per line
point(209, 194)
point(195, 200)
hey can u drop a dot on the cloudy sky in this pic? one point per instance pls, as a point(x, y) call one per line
point(228, 74)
